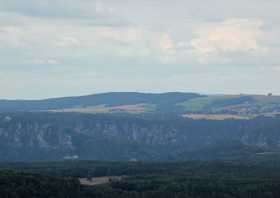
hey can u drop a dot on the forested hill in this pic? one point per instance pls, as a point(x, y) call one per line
point(191, 105)
point(130, 100)
point(137, 126)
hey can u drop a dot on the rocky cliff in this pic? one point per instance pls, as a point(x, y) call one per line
point(52, 136)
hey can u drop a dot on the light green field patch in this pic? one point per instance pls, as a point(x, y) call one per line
point(136, 108)
point(267, 103)
point(264, 100)
point(199, 104)
point(218, 117)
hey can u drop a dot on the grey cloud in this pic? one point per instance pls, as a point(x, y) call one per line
point(130, 39)
point(91, 12)
point(50, 8)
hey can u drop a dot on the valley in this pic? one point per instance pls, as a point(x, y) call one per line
point(135, 145)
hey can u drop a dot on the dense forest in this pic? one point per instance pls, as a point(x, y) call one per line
point(145, 180)
point(25, 185)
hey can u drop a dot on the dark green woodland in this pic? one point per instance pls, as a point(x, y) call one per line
point(188, 179)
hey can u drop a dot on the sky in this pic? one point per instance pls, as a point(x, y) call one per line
point(54, 48)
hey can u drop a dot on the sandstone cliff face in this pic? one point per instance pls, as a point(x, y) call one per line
point(45, 136)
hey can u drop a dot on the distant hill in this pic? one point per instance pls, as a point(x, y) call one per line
point(161, 102)
point(190, 105)
point(141, 126)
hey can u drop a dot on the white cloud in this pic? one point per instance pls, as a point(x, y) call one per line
point(123, 34)
point(69, 41)
point(166, 44)
point(230, 36)
point(57, 8)
point(151, 39)
point(41, 61)
point(9, 35)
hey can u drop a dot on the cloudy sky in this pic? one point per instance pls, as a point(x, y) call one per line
point(51, 48)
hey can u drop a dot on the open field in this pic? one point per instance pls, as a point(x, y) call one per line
point(248, 105)
point(199, 104)
point(217, 117)
point(136, 108)
point(98, 180)
point(227, 116)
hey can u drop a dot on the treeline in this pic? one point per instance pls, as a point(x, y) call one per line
point(192, 188)
point(75, 168)
point(171, 180)
point(200, 169)
point(25, 185)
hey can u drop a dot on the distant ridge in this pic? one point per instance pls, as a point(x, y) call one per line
point(141, 126)
point(108, 99)
point(170, 102)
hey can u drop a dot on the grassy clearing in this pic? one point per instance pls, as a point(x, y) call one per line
point(94, 181)
point(136, 108)
point(218, 116)
point(199, 104)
